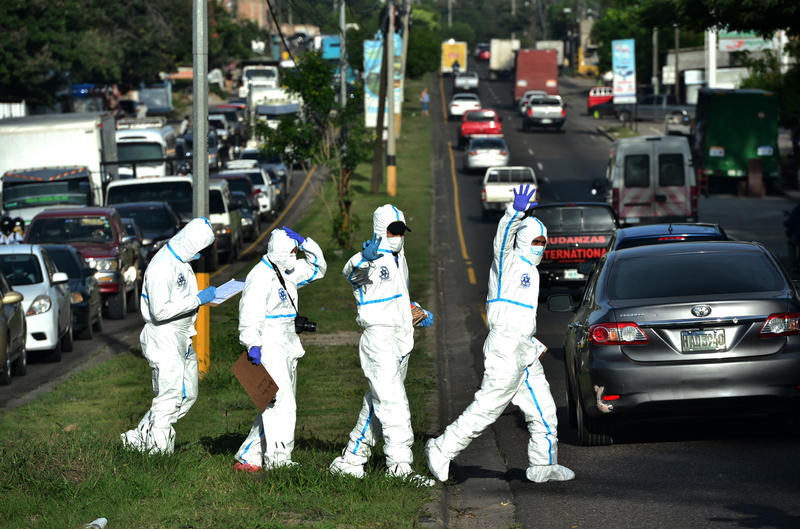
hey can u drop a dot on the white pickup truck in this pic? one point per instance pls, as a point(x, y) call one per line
point(499, 184)
point(548, 111)
point(466, 81)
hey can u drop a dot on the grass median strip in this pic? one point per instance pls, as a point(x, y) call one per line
point(64, 465)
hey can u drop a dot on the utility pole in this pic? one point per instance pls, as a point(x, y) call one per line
point(654, 77)
point(202, 343)
point(391, 161)
point(403, 55)
point(711, 66)
point(449, 13)
point(513, 13)
point(377, 156)
point(342, 58)
point(677, 61)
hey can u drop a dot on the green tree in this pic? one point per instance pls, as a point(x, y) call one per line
point(323, 134)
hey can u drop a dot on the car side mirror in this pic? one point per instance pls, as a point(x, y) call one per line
point(90, 271)
point(560, 303)
point(59, 278)
point(12, 297)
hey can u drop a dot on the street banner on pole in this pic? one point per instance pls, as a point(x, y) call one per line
point(373, 54)
point(623, 61)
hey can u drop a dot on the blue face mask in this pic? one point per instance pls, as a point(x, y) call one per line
point(195, 257)
point(537, 252)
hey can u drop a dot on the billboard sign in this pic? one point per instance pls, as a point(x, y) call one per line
point(373, 56)
point(623, 60)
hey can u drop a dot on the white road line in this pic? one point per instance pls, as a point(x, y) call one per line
point(530, 151)
point(540, 166)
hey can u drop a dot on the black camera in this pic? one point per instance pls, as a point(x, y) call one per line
point(303, 324)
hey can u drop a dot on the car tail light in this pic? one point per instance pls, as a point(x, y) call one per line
point(625, 333)
point(785, 324)
point(530, 110)
point(693, 200)
point(483, 195)
point(502, 153)
point(473, 153)
point(672, 238)
point(258, 191)
point(563, 112)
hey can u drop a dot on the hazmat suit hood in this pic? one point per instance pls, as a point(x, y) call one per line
point(193, 238)
point(529, 229)
point(385, 215)
point(279, 251)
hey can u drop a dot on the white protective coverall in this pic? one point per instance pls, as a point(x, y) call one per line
point(512, 371)
point(380, 288)
point(169, 306)
point(266, 320)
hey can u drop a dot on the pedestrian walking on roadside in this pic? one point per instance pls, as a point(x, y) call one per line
point(169, 307)
point(267, 312)
point(424, 99)
point(513, 372)
point(379, 278)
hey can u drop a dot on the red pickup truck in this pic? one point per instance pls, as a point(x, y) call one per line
point(481, 122)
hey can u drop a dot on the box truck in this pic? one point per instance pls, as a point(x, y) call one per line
point(501, 57)
point(453, 52)
point(536, 70)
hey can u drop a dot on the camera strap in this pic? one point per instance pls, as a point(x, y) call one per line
point(283, 283)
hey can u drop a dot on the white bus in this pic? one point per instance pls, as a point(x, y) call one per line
point(148, 145)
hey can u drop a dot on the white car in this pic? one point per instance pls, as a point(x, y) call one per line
point(267, 193)
point(483, 152)
point(48, 312)
point(466, 81)
point(460, 103)
point(526, 98)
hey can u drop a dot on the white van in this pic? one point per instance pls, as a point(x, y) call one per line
point(650, 179)
point(149, 143)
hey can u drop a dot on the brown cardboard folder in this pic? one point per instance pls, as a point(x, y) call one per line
point(256, 381)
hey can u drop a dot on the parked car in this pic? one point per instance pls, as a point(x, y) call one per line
point(687, 328)
point(48, 315)
point(85, 298)
point(526, 99)
point(281, 174)
point(13, 355)
point(462, 102)
point(225, 218)
point(251, 220)
point(545, 112)
point(465, 81)
point(157, 221)
point(486, 152)
point(264, 189)
point(482, 51)
point(132, 229)
point(98, 233)
point(666, 233)
point(483, 122)
point(653, 107)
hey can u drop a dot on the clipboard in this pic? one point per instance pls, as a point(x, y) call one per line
point(256, 381)
point(226, 291)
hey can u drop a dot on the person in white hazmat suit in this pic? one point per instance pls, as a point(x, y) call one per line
point(379, 278)
point(267, 312)
point(513, 372)
point(169, 304)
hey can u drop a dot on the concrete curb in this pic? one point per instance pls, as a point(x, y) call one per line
point(607, 134)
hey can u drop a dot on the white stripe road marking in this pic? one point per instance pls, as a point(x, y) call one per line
point(540, 166)
point(530, 151)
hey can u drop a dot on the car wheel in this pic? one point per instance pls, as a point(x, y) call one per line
point(55, 354)
point(590, 431)
point(5, 374)
point(571, 412)
point(20, 365)
point(117, 306)
point(67, 341)
point(133, 298)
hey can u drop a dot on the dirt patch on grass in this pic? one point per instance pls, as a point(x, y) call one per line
point(331, 339)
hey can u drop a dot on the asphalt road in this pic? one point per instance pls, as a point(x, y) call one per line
point(121, 335)
point(703, 472)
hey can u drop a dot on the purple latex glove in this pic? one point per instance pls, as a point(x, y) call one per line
point(522, 196)
point(294, 235)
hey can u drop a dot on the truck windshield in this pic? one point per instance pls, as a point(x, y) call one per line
point(260, 74)
point(559, 219)
point(24, 195)
point(176, 194)
point(71, 229)
point(135, 151)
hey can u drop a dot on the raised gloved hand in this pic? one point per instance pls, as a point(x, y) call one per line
point(522, 196)
point(206, 295)
point(370, 248)
point(294, 235)
point(254, 355)
point(428, 321)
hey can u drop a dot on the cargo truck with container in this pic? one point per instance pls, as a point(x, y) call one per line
point(76, 152)
point(536, 70)
point(501, 57)
point(453, 52)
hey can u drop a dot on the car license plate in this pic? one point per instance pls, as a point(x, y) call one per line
point(547, 120)
point(572, 273)
point(701, 341)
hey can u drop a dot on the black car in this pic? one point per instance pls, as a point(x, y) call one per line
point(251, 220)
point(157, 221)
point(689, 328)
point(666, 233)
point(13, 332)
point(578, 234)
point(85, 297)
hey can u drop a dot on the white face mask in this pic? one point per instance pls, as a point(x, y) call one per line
point(395, 243)
point(537, 252)
point(287, 264)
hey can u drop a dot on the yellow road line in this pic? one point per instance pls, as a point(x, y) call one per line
point(276, 221)
point(483, 315)
point(457, 207)
point(444, 103)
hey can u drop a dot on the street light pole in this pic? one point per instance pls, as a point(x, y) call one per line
point(391, 161)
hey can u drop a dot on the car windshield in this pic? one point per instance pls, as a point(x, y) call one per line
point(464, 97)
point(65, 262)
point(576, 219)
point(511, 174)
point(71, 229)
point(21, 269)
point(176, 194)
point(481, 116)
point(487, 143)
point(134, 151)
point(237, 184)
point(545, 101)
point(241, 200)
point(216, 123)
point(215, 206)
point(153, 221)
point(692, 274)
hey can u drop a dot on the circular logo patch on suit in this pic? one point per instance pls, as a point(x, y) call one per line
point(181, 280)
point(282, 294)
point(384, 273)
point(525, 281)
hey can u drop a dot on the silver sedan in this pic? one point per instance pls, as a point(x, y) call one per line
point(483, 152)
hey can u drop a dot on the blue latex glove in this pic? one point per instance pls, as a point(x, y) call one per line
point(254, 355)
point(370, 248)
point(522, 196)
point(294, 236)
point(206, 295)
point(428, 321)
